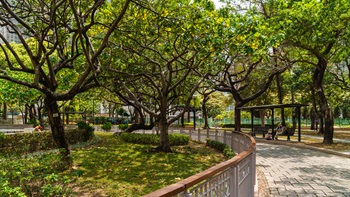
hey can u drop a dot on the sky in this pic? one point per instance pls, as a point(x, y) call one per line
point(217, 3)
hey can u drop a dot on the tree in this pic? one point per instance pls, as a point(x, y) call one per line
point(314, 33)
point(205, 92)
point(164, 63)
point(63, 41)
point(249, 70)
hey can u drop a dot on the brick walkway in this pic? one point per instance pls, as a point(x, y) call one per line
point(292, 171)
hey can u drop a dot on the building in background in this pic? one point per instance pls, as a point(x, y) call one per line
point(9, 36)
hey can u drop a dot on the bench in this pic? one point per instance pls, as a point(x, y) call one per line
point(289, 132)
point(259, 130)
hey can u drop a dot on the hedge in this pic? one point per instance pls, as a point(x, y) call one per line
point(224, 148)
point(153, 139)
point(244, 125)
point(30, 142)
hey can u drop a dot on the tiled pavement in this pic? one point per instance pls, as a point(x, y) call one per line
point(293, 171)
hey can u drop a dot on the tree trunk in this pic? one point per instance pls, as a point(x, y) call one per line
point(280, 97)
point(4, 112)
point(25, 114)
point(329, 122)
point(238, 116)
point(314, 111)
point(137, 117)
point(188, 115)
point(317, 79)
point(164, 144)
point(279, 87)
point(320, 126)
point(57, 129)
point(205, 113)
point(262, 117)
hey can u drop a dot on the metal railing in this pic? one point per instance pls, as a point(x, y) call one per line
point(232, 178)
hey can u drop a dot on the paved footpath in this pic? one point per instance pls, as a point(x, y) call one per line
point(292, 171)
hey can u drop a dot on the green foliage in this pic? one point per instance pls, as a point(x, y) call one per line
point(178, 139)
point(32, 175)
point(123, 126)
point(188, 124)
point(107, 126)
point(217, 104)
point(100, 120)
point(230, 126)
point(33, 121)
point(224, 148)
point(152, 139)
point(87, 129)
point(140, 138)
point(2, 137)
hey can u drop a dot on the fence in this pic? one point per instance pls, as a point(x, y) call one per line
point(232, 178)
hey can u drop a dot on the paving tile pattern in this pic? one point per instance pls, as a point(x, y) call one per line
point(292, 171)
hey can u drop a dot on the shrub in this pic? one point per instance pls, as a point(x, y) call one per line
point(89, 130)
point(224, 148)
point(140, 138)
point(178, 139)
point(107, 126)
point(33, 121)
point(2, 136)
point(123, 126)
point(152, 139)
point(228, 126)
point(188, 123)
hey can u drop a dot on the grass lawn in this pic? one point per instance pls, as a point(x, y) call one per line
point(108, 167)
point(114, 168)
point(336, 146)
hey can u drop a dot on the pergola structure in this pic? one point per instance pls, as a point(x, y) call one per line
point(67, 113)
point(272, 108)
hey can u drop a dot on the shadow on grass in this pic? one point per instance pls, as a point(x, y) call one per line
point(123, 169)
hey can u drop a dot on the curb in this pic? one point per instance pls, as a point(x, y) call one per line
point(302, 145)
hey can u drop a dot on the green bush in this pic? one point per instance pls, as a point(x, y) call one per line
point(123, 126)
point(228, 126)
point(140, 138)
point(88, 131)
point(178, 139)
point(33, 121)
point(188, 124)
point(244, 125)
point(107, 126)
point(152, 139)
point(2, 137)
point(224, 148)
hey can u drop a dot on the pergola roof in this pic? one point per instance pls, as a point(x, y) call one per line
point(272, 106)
